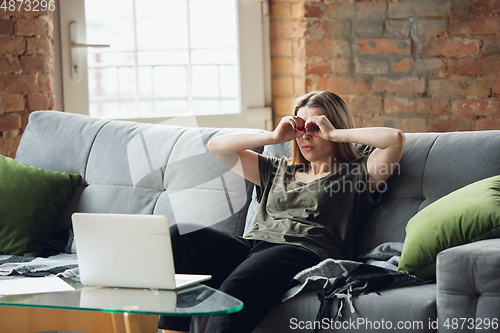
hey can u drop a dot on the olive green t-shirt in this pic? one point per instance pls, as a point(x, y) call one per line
point(320, 215)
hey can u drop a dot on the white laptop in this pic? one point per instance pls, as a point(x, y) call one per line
point(125, 250)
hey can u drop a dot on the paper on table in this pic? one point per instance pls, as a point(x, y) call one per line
point(33, 285)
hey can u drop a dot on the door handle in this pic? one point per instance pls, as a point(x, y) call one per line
point(74, 44)
point(75, 52)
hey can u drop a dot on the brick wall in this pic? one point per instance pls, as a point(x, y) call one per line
point(26, 71)
point(417, 65)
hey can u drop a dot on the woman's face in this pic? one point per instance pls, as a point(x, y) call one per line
point(312, 147)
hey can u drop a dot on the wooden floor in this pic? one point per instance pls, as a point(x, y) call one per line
point(27, 320)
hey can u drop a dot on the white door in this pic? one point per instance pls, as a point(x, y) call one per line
point(168, 59)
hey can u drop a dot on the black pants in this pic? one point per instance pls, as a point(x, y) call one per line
point(256, 272)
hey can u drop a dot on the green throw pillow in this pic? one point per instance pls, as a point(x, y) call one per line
point(30, 202)
point(466, 215)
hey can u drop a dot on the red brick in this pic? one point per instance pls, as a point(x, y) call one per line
point(406, 124)
point(440, 105)
point(365, 104)
point(487, 124)
point(384, 46)
point(281, 11)
point(6, 145)
point(403, 66)
point(299, 68)
point(281, 48)
point(368, 28)
point(405, 85)
point(476, 107)
point(283, 106)
point(299, 48)
point(450, 47)
point(37, 101)
point(299, 86)
point(433, 106)
point(9, 65)
point(52, 101)
point(430, 67)
point(432, 27)
point(29, 27)
point(12, 45)
point(485, 7)
point(496, 86)
point(335, 29)
point(282, 66)
point(326, 29)
point(461, 86)
point(447, 124)
point(48, 25)
point(319, 48)
point(344, 85)
point(288, 29)
point(45, 82)
point(397, 28)
point(9, 122)
point(475, 25)
point(341, 48)
point(283, 86)
point(316, 9)
point(6, 27)
point(40, 46)
point(357, 122)
point(34, 64)
point(474, 66)
point(341, 65)
point(312, 83)
point(421, 8)
point(298, 10)
point(371, 66)
point(17, 83)
point(461, 7)
point(17, 140)
point(491, 45)
point(12, 102)
point(24, 119)
point(424, 105)
point(398, 105)
point(358, 10)
point(318, 66)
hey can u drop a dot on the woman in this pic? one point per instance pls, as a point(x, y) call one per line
point(308, 207)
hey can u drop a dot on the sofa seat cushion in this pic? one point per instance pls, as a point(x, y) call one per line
point(31, 200)
point(413, 308)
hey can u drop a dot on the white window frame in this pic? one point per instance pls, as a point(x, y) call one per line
point(254, 59)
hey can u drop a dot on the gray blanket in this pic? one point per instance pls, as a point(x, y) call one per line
point(64, 265)
point(324, 274)
point(345, 279)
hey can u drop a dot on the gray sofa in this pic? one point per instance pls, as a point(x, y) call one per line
point(159, 169)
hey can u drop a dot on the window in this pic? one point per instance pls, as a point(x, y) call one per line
point(167, 59)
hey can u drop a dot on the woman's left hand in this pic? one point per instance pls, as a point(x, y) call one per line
point(319, 126)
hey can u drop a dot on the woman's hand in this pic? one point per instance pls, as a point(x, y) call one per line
point(319, 126)
point(289, 128)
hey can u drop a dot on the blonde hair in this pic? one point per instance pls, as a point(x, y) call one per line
point(337, 112)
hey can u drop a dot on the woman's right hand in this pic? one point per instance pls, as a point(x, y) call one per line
point(289, 128)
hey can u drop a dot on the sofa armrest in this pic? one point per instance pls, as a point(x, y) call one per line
point(468, 287)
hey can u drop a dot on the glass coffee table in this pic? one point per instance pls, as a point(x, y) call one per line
point(197, 300)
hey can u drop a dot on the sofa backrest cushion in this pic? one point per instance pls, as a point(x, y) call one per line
point(432, 166)
point(135, 168)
